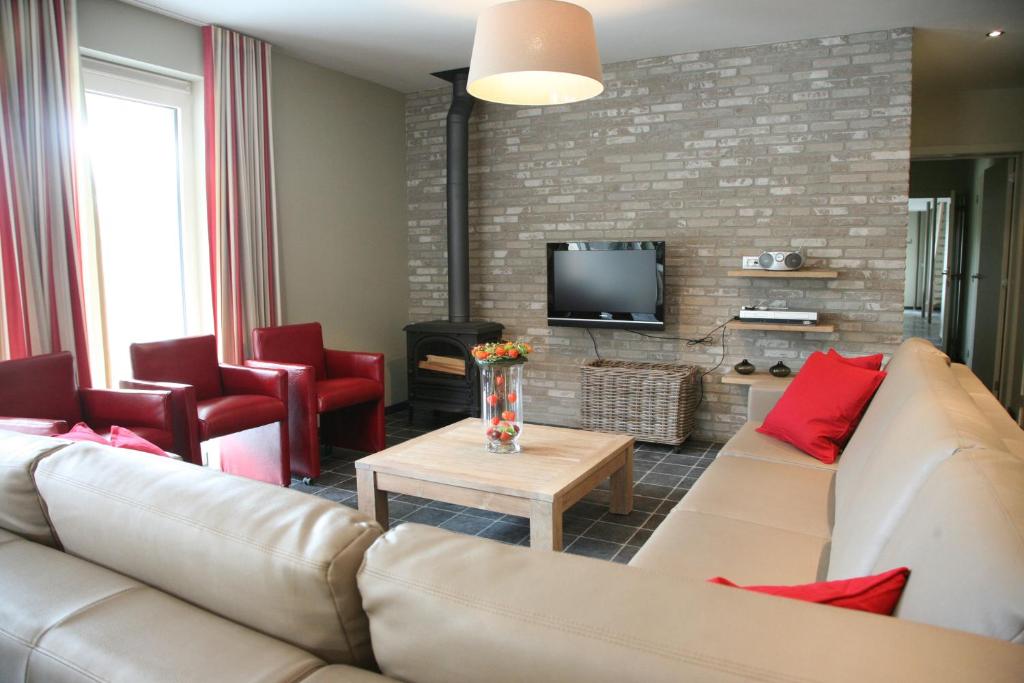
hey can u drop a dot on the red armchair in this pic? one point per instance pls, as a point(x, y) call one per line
point(241, 411)
point(345, 388)
point(39, 395)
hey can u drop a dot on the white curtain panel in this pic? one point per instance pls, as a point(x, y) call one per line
point(241, 202)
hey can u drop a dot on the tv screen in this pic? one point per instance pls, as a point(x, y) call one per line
point(606, 284)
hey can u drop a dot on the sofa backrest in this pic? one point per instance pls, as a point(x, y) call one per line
point(302, 344)
point(1008, 431)
point(21, 509)
point(189, 360)
point(919, 418)
point(963, 538)
point(278, 561)
point(40, 386)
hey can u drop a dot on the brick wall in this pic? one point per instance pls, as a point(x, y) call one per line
point(719, 153)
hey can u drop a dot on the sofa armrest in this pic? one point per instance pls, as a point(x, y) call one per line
point(482, 610)
point(260, 381)
point(355, 364)
point(760, 400)
point(37, 426)
point(128, 408)
point(184, 418)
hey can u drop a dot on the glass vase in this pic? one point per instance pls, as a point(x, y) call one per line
point(501, 405)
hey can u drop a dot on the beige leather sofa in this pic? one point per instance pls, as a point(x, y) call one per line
point(118, 566)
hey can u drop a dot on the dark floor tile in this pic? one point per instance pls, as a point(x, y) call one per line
point(634, 518)
point(297, 485)
point(398, 509)
point(654, 521)
point(605, 531)
point(485, 514)
point(575, 525)
point(416, 500)
point(590, 547)
point(336, 494)
point(466, 524)
point(625, 554)
point(669, 480)
point(505, 532)
point(669, 468)
point(599, 496)
point(645, 504)
point(585, 508)
point(666, 507)
point(651, 490)
point(450, 507)
point(640, 537)
point(428, 515)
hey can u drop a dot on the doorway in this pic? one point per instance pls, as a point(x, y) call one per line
point(965, 249)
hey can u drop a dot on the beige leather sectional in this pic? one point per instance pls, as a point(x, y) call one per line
point(117, 566)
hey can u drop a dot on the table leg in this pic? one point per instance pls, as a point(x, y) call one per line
point(545, 526)
point(372, 501)
point(622, 486)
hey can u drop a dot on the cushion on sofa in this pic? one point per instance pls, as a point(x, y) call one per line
point(21, 509)
point(698, 545)
point(786, 497)
point(65, 619)
point(748, 443)
point(822, 406)
point(877, 594)
point(963, 536)
point(872, 362)
point(272, 559)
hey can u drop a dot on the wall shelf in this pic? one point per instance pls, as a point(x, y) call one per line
point(787, 274)
point(779, 327)
point(761, 378)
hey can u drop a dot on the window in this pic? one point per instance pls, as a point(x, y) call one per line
point(146, 254)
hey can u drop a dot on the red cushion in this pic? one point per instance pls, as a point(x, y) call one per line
point(872, 362)
point(230, 414)
point(332, 394)
point(878, 593)
point(121, 437)
point(302, 344)
point(83, 432)
point(821, 406)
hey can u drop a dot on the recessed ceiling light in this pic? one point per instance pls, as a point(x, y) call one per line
point(994, 34)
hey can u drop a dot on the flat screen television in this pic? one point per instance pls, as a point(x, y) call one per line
point(607, 284)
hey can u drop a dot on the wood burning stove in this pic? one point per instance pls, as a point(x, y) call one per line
point(442, 372)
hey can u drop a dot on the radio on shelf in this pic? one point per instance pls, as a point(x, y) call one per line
point(751, 314)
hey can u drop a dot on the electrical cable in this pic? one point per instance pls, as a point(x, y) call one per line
point(594, 341)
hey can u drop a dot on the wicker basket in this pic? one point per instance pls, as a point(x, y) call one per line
point(650, 401)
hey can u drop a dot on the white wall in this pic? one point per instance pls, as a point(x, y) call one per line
point(967, 122)
point(339, 146)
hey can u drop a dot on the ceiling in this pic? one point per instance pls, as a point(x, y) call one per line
point(398, 43)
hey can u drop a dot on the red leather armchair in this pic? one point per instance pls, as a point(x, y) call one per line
point(345, 388)
point(39, 395)
point(243, 411)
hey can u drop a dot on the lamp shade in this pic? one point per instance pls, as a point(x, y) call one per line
point(535, 52)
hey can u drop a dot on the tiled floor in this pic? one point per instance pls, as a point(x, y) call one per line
point(662, 475)
point(914, 325)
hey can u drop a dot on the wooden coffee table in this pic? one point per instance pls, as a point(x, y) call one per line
point(555, 469)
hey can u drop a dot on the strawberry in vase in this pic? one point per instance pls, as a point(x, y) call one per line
point(501, 379)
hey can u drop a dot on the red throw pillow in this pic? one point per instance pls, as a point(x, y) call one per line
point(872, 362)
point(878, 594)
point(120, 437)
point(83, 432)
point(822, 405)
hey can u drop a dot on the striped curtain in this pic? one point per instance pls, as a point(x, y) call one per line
point(41, 300)
point(240, 196)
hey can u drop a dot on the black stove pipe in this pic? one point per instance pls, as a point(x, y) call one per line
point(458, 194)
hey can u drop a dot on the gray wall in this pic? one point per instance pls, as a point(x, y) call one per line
point(720, 153)
point(968, 121)
point(340, 166)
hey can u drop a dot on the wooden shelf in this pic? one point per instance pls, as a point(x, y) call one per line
point(761, 377)
point(787, 274)
point(779, 327)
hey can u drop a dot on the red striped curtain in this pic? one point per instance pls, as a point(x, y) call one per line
point(41, 300)
point(241, 205)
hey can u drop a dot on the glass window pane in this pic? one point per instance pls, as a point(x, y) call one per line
point(134, 151)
